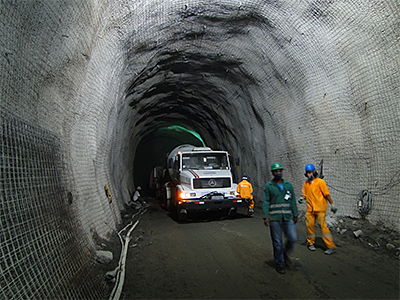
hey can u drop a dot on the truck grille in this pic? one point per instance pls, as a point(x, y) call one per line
point(209, 183)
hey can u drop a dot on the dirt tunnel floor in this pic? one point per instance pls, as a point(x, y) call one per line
point(215, 257)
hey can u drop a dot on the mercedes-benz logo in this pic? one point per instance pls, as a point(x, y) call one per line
point(212, 182)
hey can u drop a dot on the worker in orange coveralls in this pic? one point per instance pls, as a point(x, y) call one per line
point(245, 190)
point(316, 194)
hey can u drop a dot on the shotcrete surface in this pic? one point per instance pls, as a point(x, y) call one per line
point(215, 257)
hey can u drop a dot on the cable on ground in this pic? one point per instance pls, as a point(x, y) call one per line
point(120, 270)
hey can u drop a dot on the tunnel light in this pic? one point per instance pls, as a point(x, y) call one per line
point(178, 128)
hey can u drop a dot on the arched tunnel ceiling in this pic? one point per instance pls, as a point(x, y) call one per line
point(203, 66)
point(176, 84)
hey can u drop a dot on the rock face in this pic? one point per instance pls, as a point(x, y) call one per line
point(96, 94)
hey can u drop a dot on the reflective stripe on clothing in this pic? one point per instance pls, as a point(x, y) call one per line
point(251, 205)
point(278, 209)
point(279, 204)
point(326, 234)
point(274, 212)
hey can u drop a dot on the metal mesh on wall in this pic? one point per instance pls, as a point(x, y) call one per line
point(42, 250)
point(64, 68)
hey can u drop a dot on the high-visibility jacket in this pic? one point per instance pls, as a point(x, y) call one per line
point(315, 193)
point(245, 189)
point(279, 204)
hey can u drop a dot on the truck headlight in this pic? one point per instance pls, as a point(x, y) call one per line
point(185, 195)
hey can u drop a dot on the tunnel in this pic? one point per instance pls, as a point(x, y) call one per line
point(94, 94)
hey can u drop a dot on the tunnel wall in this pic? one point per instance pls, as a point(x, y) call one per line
point(54, 212)
point(302, 81)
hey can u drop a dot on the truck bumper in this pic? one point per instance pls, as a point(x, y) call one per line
point(199, 205)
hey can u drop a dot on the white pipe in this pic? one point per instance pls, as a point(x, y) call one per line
point(117, 290)
point(122, 266)
point(119, 283)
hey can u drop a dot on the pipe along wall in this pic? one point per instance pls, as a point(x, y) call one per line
point(93, 93)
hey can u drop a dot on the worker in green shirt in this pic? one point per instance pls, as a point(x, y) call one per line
point(281, 213)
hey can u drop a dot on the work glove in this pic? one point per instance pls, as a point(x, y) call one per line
point(333, 208)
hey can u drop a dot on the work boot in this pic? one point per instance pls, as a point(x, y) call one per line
point(281, 270)
point(330, 251)
point(312, 247)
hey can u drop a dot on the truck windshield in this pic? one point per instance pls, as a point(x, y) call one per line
point(205, 161)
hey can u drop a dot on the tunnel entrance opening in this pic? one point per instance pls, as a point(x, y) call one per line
point(153, 148)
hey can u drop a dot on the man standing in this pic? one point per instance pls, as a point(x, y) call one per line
point(316, 194)
point(245, 190)
point(281, 213)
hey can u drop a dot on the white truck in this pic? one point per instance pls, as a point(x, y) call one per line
point(199, 179)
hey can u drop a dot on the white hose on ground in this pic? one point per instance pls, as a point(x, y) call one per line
point(119, 283)
point(122, 265)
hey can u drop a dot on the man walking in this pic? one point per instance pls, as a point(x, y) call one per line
point(316, 194)
point(281, 213)
point(245, 190)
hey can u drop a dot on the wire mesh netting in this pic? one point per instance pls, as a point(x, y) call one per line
point(42, 250)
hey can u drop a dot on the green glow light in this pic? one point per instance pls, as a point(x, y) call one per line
point(183, 129)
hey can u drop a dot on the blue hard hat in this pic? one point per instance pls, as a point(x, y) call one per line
point(310, 167)
point(244, 177)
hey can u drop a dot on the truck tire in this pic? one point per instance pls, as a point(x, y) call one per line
point(232, 212)
point(168, 204)
point(182, 217)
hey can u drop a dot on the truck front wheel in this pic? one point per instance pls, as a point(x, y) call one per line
point(182, 214)
point(232, 212)
point(168, 204)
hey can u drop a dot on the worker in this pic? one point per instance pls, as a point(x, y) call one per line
point(281, 214)
point(137, 198)
point(245, 190)
point(316, 194)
